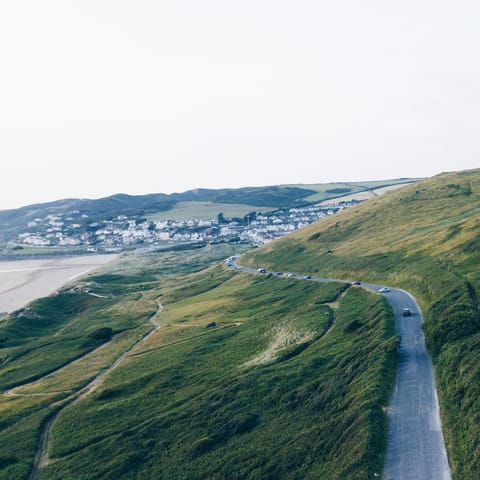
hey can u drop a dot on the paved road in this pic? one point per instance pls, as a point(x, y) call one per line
point(416, 448)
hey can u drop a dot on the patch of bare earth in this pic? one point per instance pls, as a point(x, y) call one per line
point(283, 337)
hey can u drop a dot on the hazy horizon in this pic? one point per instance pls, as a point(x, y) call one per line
point(213, 188)
point(105, 97)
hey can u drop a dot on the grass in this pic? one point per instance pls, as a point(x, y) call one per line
point(197, 409)
point(326, 191)
point(423, 238)
point(49, 350)
point(194, 401)
point(205, 211)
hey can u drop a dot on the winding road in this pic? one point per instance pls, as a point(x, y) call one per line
point(416, 447)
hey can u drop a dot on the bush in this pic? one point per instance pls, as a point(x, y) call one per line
point(103, 334)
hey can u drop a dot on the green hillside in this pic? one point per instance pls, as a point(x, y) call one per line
point(248, 376)
point(424, 238)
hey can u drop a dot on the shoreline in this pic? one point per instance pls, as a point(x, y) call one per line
point(22, 281)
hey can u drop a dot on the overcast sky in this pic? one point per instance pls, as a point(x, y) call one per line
point(107, 96)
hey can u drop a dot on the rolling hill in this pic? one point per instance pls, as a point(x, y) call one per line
point(245, 376)
point(424, 238)
point(171, 365)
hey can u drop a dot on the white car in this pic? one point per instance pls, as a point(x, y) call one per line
point(384, 290)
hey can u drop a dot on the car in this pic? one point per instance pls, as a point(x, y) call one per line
point(384, 290)
point(356, 282)
point(261, 270)
point(406, 312)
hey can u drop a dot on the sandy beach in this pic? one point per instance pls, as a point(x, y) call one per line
point(25, 280)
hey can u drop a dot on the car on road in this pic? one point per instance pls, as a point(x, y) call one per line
point(356, 282)
point(261, 270)
point(406, 312)
point(384, 290)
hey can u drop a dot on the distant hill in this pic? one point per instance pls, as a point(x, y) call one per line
point(424, 238)
point(15, 221)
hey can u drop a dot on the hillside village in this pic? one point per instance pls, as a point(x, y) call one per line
point(75, 229)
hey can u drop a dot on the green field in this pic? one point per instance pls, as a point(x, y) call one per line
point(205, 211)
point(424, 238)
point(249, 376)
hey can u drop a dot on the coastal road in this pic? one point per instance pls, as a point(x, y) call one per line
point(416, 447)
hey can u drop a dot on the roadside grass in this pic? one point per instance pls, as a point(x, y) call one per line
point(194, 409)
point(425, 239)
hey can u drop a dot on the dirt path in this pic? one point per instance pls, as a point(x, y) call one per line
point(41, 458)
point(185, 340)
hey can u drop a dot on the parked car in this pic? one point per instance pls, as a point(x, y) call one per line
point(406, 312)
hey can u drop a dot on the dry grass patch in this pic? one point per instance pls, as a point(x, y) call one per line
point(284, 337)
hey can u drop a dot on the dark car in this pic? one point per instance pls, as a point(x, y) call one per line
point(406, 312)
point(356, 282)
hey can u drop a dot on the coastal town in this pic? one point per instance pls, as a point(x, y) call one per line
point(74, 229)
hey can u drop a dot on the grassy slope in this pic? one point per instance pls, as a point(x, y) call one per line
point(249, 377)
point(192, 407)
point(424, 238)
point(52, 332)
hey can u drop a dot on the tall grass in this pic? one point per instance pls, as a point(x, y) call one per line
point(194, 407)
point(424, 238)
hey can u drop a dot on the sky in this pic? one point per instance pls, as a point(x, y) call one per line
point(146, 96)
